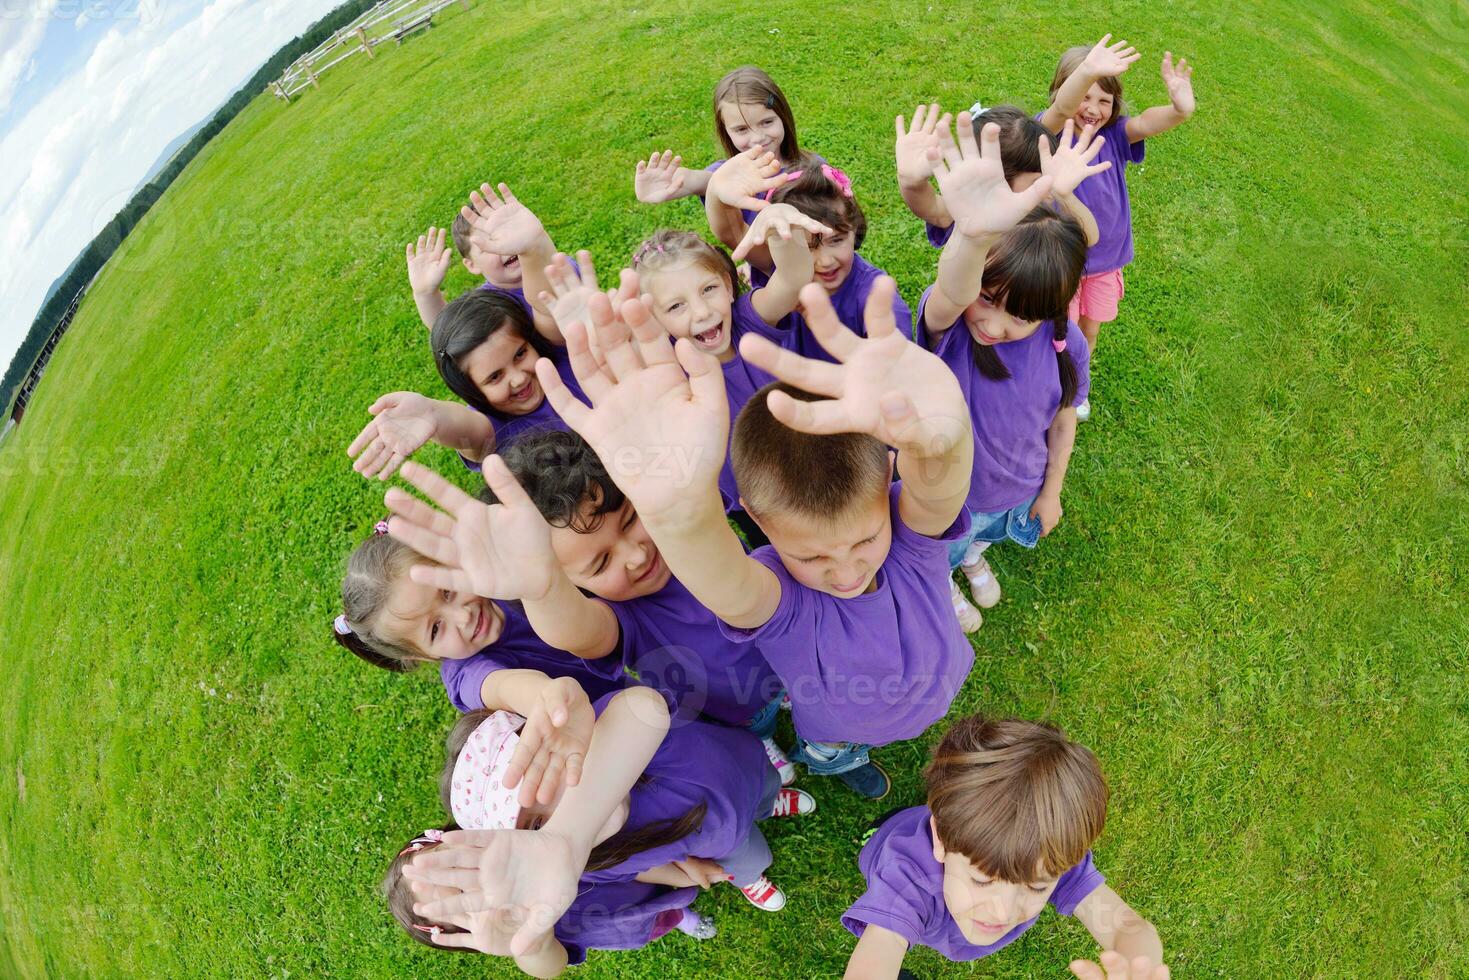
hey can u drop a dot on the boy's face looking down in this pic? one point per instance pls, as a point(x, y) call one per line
point(985, 907)
point(617, 561)
point(840, 557)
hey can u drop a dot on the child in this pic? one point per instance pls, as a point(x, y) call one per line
point(589, 578)
point(821, 194)
point(394, 616)
point(996, 316)
point(1021, 140)
point(1013, 811)
point(845, 602)
point(536, 872)
point(1086, 89)
point(499, 238)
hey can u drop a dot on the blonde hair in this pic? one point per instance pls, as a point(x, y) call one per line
point(1015, 796)
point(671, 249)
point(1071, 60)
point(373, 569)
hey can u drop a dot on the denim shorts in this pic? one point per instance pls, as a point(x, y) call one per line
point(1014, 524)
point(763, 724)
point(847, 756)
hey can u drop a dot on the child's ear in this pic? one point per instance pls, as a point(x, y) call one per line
point(470, 266)
point(746, 508)
point(938, 846)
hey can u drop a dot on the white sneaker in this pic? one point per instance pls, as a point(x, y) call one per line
point(764, 895)
point(1084, 410)
point(780, 761)
point(982, 582)
point(970, 619)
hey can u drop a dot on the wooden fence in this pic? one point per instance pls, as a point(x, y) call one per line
point(390, 20)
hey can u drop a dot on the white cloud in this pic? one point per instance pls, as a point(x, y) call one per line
point(82, 20)
point(73, 160)
point(20, 38)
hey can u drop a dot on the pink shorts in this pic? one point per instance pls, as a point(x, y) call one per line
point(1097, 297)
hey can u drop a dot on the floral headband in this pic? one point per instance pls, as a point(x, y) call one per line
point(423, 840)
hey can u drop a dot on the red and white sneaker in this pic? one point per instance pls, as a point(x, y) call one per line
point(793, 803)
point(764, 896)
point(779, 760)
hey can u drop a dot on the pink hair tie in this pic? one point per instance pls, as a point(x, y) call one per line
point(843, 182)
point(1060, 345)
point(340, 625)
point(381, 527)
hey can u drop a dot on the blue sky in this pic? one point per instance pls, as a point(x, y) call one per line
point(91, 92)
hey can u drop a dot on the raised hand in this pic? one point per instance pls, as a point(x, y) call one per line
point(1180, 81)
point(971, 177)
point(500, 551)
point(553, 744)
point(659, 178)
point(1071, 163)
point(1115, 966)
point(501, 224)
point(913, 145)
point(570, 288)
point(744, 176)
point(777, 221)
point(528, 878)
point(658, 418)
point(428, 261)
point(402, 422)
point(1106, 60)
point(883, 385)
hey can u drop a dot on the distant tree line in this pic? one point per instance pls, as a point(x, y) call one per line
point(100, 249)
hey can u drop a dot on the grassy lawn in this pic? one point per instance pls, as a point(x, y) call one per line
point(1254, 609)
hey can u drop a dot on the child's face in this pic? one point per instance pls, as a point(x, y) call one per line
point(752, 124)
point(440, 624)
point(618, 561)
point(693, 301)
point(832, 257)
point(1095, 110)
point(839, 558)
point(503, 368)
point(985, 908)
point(498, 270)
point(989, 324)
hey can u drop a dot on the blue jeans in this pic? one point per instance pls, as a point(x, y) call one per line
point(1014, 524)
point(763, 724)
point(845, 756)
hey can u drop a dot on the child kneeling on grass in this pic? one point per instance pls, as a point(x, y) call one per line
point(1013, 810)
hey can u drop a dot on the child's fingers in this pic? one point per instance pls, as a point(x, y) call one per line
point(433, 546)
point(506, 487)
point(391, 466)
point(443, 875)
point(574, 763)
point(369, 458)
point(506, 196)
point(588, 270)
point(410, 508)
point(706, 378)
point(593, 382)
point(364, 438)
point(1086, 970)
point(877, 314)
point(899, 121)
point(817, 377)
point(551, 776)
point(1097, 168)
point(653, 345)
point(826, 326)
point(989, 140)
point(453, 940)
point(816, 418)
point(436, 488)
point(441, 577)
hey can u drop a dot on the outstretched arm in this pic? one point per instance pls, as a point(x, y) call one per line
point(736, 187)
point(1162, 118)
point(404, 420)
point(501, 224)
point(885, 387)
point(1116, 927)
point(1070, 164)
point(878, 956)
point(500, 551)
point(782, 230)
point(1103, 61)
point(915, 168)
point(652, 403)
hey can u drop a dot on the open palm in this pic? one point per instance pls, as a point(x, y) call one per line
point(913, 144)
point(1105, 59)
point(971, 176)
point(1071, 162)
point(403, 421)
point(743, 177)
point(500, 551)
point(658, 178)
point(501, 224)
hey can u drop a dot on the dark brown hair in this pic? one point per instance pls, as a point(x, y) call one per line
point(1015, 796)
point(561, 473)
point(1071, 60)
point(612, 851)
point(468, 322)
point(1019, 139)
point(372, 570)
point(780, 470)
point(1032, 274)
point(460, 232)
point(815, 195)
point(751, 86)
point(400, 896)
point(670, 249)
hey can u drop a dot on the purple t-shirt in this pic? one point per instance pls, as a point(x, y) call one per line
point(516, 292)
point(938, 237)
point(878, 667)
point(518, 648)
point(676, 647)
point(700, 762)
point(905, 890)
point(1011, 417)
point(616, 915)
point(759, 277)
point(741, 380)
point(1105, 194)
point(850, 303)
point(510, 427)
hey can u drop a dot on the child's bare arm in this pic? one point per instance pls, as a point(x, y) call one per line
point(659, 421)
point(878, 956)
point(886, 387)
point(782, 230)
point(1115, 926)
point(403, 421)
point(736, 187)
point(428, 263)
point(1060, 438)
point(554, 740)
point(915, 168)
point(1070, 164)
point(1103, 61)
point(1161, 118)
point(501, 551)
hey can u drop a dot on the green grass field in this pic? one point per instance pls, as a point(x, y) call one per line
point(1254, 609)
